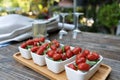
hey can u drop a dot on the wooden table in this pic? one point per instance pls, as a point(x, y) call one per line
point(108, 46)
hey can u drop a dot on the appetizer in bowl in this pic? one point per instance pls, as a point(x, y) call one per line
point(57, 57)
point(25, 47)
point(84, 66)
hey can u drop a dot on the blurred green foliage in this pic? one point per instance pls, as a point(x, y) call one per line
point(9, 3)
point(109, 16)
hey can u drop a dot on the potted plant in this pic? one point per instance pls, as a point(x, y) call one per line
point(109, 16)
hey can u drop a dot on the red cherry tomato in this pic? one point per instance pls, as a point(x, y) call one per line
point(42, 39)
point(67, 47)
point(35, 43)
point(86, 52)
point(91, 57)
point(83, 66)
point(96, 55)
point(77, 50)
point(59, 51)
point(30, 42)
point(53, 47)
point(34, 49)
point(45, 45)
point(50, 53)
point(57, 57)
point(40, 51)
point(72, 66)
point(64, 57)
point(80, 60)
point(69, 54)
point(54, 41)
point(36, 39)
point(78, 56)
point(57, 45)
point(23, 45)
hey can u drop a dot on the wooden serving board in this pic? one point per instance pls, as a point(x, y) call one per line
point(101, 74)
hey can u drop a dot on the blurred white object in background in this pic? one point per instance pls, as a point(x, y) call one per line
point(67, 26)
point(118, 29)
point(12, 22)
point(13, 26)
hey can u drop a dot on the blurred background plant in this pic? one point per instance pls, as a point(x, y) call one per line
point(109, 16)
point(8, 6)
point(32, 8)
point(105, 13)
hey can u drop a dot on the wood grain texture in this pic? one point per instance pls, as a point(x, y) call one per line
point(101, 74)
point(108, 46)
point(12, 70)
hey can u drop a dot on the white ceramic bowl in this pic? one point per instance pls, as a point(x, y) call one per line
point(79, 75)
point(25, 53)
point(55, 66)
point(38, 59)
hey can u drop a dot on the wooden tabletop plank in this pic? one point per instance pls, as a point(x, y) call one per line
point(108, 46)
point(103, 71)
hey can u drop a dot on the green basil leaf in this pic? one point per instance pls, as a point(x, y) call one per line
point(91, 63)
